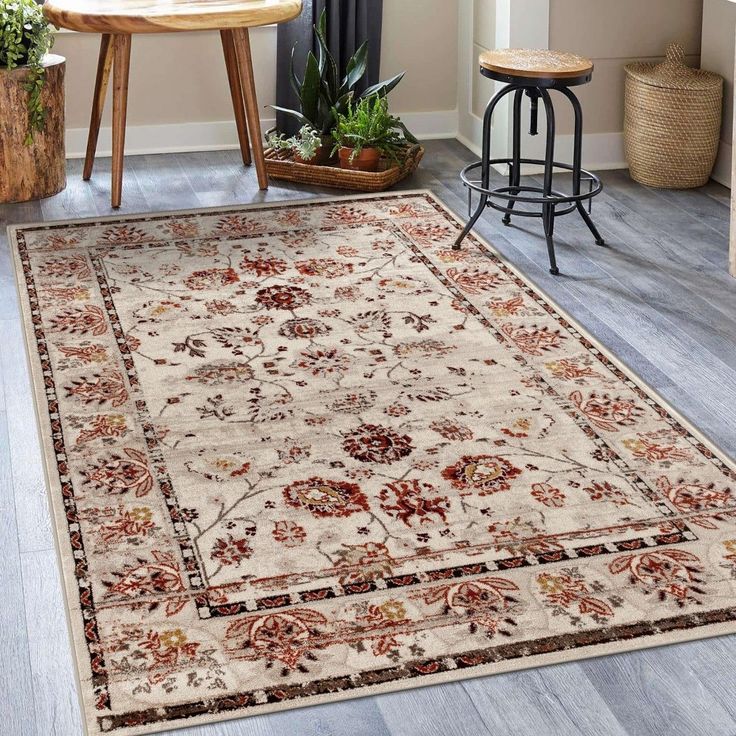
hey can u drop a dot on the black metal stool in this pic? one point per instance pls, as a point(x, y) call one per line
point(534, 73)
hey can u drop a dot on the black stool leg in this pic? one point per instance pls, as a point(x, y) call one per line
point(548, 220)
point(548, 210)
point(577, 162)
point(515, 165)
point(486, 168)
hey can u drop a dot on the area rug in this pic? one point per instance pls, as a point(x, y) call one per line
point(303, 452)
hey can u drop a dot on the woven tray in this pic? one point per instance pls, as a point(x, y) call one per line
point(280, 165)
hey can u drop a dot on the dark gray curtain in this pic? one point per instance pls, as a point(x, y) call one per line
point(349, 23)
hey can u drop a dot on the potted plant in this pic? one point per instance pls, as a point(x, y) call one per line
point(366, 132)
point(25, 38)
point(306, 147)
point(31, 105)
point(322, 95)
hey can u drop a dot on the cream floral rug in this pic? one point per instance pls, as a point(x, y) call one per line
point(305, 452)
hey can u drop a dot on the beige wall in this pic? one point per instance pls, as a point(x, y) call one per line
point(177, 78)
point(614, 33)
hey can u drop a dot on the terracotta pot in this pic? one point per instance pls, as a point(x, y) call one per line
point(366, 160)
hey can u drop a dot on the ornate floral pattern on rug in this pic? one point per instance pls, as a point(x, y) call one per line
point(309, 451)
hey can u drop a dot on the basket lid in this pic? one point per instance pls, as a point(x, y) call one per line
point(673, 72)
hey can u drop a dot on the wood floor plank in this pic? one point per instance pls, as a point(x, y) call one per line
point(29, 484)
point(557, 700)
point(445, 710)
point(54, 689)
point(16, 678)
point(656, 692)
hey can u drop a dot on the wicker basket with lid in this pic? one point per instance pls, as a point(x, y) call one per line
point(672, 122)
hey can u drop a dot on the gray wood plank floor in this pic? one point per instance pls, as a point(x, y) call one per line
point(658, 296)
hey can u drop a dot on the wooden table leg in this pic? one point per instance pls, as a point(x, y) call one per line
point(104, 62)
point(121, 67)
point(236, 92)
point(245, 63)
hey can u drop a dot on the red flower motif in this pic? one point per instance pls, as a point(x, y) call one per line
point(484, 601)
point(122, 473)
point(75, 266)
point(451, 430)
point(548, 495)
point(426, 234)
point(231, 551)
point(212, 278)
point(567, 591)
point(131, 525)
point(413, 499)
point(288, 533)
point(372, 443)
point(286, 637)
point(283, 297)
point(324, 498)
point(604, 491)
point(81, 321)
point(672, 573)
point(346, 215)
point(653, 452)
point(303, 329)
point(474, 281)
point(102, 387)
point(85, 353)
point(606, 412)
point(484, 474)
point(264, 266)
point(327, 268)
point(151, 577)
point(324, 362)
point(102, 425)
point(533, 340)
point(693, 496)
point(237, 225)
point(122, 234)
point(567, 368)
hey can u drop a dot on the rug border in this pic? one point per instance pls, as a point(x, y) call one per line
point(70, 588)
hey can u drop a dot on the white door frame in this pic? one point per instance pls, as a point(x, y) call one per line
point(518, 24)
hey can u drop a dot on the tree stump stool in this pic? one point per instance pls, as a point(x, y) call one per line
point(37, 170)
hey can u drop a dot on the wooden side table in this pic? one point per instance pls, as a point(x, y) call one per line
point(118, 20)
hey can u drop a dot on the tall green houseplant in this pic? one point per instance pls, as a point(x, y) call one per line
point(25, 38)
point(322, 94)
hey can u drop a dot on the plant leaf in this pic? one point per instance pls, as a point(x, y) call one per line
point(383, 88)
point(310, 91)
point(296, 83)
point(356, 68)
point(293, 113)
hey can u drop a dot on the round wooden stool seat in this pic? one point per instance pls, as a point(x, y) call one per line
point(538, 64)
point(154, 16)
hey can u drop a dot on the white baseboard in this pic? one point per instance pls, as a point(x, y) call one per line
point(601, 151)
point(722, 169)
point(221, 135)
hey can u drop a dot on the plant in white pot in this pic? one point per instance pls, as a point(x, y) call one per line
point(31, 105)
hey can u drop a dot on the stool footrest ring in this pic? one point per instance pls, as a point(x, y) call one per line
point(505, 192)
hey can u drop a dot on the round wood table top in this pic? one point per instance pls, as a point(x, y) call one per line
point(535, 63)
point(163, 16)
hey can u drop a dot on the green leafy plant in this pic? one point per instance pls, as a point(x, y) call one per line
point(25, 38)
point(322, 94)
point(368, 124)
point(305, 143)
